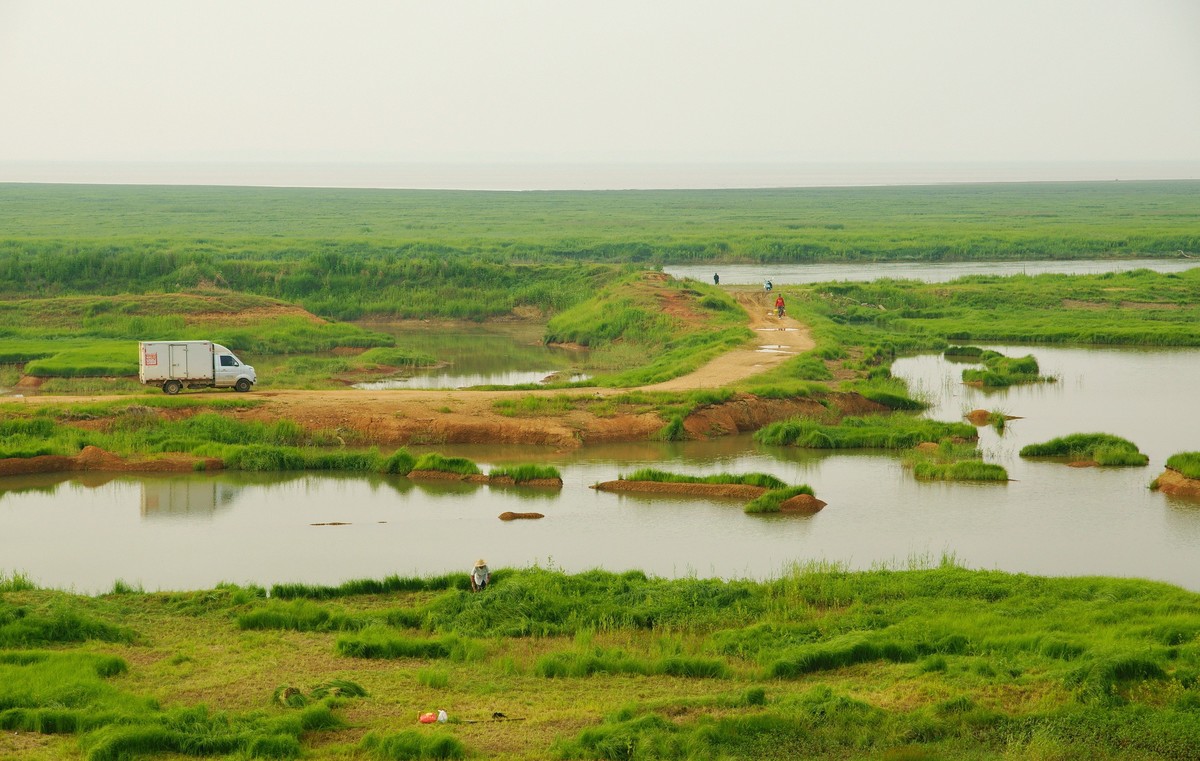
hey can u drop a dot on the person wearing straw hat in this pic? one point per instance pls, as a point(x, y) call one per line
point(480, 575)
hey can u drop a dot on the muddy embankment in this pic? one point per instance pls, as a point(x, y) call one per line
point(96, 459)
point(1176, 484)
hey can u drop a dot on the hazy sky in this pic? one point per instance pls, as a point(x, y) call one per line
point(608, 81)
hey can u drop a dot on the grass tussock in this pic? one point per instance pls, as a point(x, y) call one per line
point(1102, 448)
point(1001, 371)
point(963, 470)
point(443, 464)
point(1187, 463)
point(772, 501)
point(879, 432)
point(526, 472)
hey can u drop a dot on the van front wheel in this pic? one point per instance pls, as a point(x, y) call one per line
point(242, 385)
point(172, 387)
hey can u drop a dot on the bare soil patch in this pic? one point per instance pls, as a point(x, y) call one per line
point(801, 503)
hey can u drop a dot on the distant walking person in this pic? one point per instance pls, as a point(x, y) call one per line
point(779, 305)
point(480, 575)
point(716, 279)
point(767, 286)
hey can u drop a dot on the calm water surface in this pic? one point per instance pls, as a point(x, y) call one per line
point(496, 354)
point(194, 531)
point(929, 272)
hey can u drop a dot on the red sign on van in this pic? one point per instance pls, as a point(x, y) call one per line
point(151, 359)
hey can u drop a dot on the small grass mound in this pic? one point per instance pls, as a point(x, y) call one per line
point(963, 470)
point(1001, 371)
point(1101, 448)
point(765, 480)
point(772, 501)
point(436, 462)
point(523, 473)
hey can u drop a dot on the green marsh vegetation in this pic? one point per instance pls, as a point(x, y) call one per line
point(175, 231)
point(873, 432)
point(772, 501)
point(655, 327)
point(765, 480)
point(1001, 371)
point(1187, 463)
point(1101, 448)
point(526, 472)
point(952, 461)
point(86, 344)
point(933, 661)
point(1134, 308)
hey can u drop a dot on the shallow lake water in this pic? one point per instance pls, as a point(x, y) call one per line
point(929, 272)
point(493, 354)
point(196, 530)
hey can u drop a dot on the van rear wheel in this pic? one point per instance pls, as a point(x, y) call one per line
point(172, 387)
point(242, 385)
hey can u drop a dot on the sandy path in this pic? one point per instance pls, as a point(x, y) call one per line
point(776, 340)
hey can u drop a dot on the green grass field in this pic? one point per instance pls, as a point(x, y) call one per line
point(934, 662)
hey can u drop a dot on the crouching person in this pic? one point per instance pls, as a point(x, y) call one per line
point(480, 576)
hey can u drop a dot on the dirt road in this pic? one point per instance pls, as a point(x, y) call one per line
point(776, 339)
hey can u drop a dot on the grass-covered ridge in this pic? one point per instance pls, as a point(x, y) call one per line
point(648, 328)
point(1101, 448)
point(820, 662)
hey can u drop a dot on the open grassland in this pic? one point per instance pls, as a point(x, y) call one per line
point(1135, 308)
point(355, 253)
point(931, 663)
point(993, 221)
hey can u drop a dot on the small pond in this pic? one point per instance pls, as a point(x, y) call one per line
point(500, 354)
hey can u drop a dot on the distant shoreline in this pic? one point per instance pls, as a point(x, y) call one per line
point(585, 176)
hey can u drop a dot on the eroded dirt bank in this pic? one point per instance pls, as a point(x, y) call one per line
point(1178, 485)
point(94, 458)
